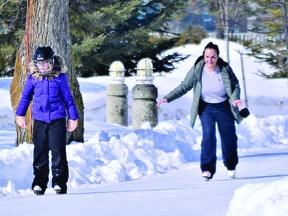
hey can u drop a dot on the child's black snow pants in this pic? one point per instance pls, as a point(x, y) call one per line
point(50, 136)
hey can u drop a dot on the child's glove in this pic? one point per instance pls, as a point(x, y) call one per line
point(72, 124)
point(21, 121)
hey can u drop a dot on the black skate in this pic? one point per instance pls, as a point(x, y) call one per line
point(38, 190)
point(207, 175)
point(59, 190)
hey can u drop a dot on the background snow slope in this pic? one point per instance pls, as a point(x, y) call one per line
point(113, 154)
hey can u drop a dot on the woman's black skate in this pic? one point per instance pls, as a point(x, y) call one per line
point(207, 175)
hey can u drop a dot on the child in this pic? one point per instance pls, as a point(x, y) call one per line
point(47, 85)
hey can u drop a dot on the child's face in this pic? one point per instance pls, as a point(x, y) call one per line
point(43, 66)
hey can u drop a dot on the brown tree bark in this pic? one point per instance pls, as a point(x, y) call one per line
point(47, 24)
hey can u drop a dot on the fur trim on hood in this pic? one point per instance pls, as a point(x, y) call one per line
point(59, 66)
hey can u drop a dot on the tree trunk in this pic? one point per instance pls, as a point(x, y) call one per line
point(46, 24)
point(285, 17)
point(226, 8)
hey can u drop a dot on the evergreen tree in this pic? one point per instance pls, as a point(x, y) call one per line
point(12, 25)
point(105, 31)
point(271, 19)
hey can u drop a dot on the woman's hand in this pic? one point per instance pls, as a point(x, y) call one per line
point(163, 100)
point(237, 103)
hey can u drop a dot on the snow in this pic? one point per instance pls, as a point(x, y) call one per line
point(155, 171)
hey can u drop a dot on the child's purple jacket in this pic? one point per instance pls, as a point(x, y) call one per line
point(52, 99)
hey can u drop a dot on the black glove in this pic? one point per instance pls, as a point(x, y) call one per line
point(244, 112)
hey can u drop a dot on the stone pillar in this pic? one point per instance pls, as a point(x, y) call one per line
point(144, 96)
point(117, 91)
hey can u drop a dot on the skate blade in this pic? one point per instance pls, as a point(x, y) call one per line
point(207, 179)
point(37, 192)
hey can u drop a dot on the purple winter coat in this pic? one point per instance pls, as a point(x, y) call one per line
point(52, 98)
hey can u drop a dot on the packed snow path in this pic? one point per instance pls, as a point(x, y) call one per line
point(180, 192)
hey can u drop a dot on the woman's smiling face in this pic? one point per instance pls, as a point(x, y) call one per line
point(211, 58)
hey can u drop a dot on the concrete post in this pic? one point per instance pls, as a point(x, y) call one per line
point(117, 91)
point(144, 96)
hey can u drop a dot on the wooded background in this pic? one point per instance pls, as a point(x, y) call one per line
point(105, 31)
point(90, 35)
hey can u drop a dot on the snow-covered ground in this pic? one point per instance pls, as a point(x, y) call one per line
point(121, 171)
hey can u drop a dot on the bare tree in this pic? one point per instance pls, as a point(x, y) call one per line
point(46, 24)
point(223, 6)
point(228, 9)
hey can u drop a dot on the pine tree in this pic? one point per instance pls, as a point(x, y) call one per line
point(271, 19)
point(12, 24)
point(105, 31)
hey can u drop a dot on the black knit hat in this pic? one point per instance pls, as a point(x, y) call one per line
point(43, 53)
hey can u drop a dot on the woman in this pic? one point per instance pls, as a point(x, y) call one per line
point(215, 100)
point(47, 85)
